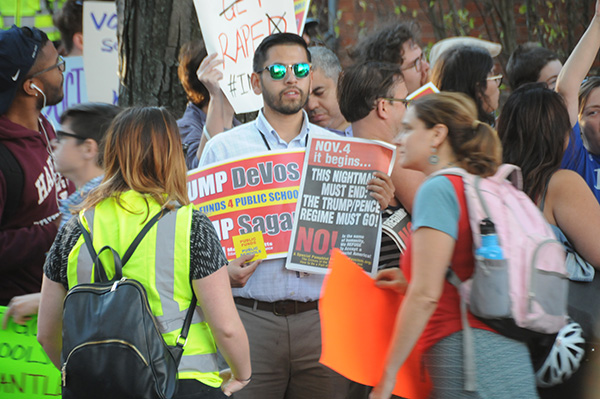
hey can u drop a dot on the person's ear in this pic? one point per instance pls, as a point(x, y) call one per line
point(30, 88)
point(89, 149)
point(381, 107)
point(255, 81)
point(78, 41)
point(440, 133)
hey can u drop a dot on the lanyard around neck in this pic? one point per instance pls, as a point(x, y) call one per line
point(262, 135)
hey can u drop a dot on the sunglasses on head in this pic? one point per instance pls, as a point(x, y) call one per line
point(278, 71)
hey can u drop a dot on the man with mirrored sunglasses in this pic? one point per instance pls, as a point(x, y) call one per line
point(279, 307)
point(30, 78)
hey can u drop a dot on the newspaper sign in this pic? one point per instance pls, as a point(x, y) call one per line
point(249, 194)
point(74, 88)
point(101, 57)
point(234, 29)
point(336, 209)
point(25, 369)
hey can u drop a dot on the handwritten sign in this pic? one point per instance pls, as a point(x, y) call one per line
point(245, 195)
point(25, 369)
point(74, 87)
point(301, 10)
point(234, 29)
point(336, 210)
point(100, 55)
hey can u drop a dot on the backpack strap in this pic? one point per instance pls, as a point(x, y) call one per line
point(468, 340)
point(99, 272)
point(15, 181)
point(509, 172)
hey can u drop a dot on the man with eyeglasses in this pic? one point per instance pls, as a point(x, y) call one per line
point(396, 43)
point(279, 307)
point(30, 78)
point(372, 96)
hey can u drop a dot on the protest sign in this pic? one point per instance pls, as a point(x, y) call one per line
point(25, 369)
point(301, 10)
point(248, 194)
point(234, 29)
point(336, 209)
point(74, 88)
point(424, 90)
point(365, 323)
point(101, 56)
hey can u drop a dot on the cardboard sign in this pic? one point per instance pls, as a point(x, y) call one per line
point(101, 51)
point(357, 330)
point(234, 29)
point(245, 195)
point(301, 10)
point(25, 369)
point(337, 210)
point(74, 87)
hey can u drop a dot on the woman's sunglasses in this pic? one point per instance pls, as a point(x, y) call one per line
point(278, 71)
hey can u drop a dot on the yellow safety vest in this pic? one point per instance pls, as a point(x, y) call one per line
point(30, 13)
point(161, 263)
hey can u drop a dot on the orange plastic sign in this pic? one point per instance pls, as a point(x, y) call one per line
point(357, 323)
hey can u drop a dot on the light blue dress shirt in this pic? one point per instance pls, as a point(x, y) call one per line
point(271, 281)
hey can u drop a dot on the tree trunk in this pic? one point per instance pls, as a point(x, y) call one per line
point(150, 34)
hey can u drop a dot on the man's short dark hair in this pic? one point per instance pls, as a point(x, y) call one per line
point(526, 63)
point(190, 57)
point(385, 44)
point(69, 20)
point(362, 84)
point(276, 39)
point(91, 120)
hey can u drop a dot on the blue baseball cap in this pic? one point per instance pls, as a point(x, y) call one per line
point(19, 48)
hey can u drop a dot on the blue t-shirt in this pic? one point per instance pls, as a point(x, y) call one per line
point(577, 158)
point(436, 206)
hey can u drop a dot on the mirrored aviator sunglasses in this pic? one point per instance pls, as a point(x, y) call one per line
point(278, 71)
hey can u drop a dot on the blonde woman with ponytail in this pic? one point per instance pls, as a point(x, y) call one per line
point(439, 131)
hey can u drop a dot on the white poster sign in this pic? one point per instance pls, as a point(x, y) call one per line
point(234, 29)
point(73, 86)
point(100, 50)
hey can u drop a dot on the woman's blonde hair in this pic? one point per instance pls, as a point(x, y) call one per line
point(143, 153)
point(475, 143)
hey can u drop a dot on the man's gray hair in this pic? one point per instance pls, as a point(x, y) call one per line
point(326, 60)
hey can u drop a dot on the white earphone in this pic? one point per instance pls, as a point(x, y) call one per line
point(34, 87)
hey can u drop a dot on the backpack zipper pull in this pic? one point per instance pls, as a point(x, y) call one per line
point(63, 373)
point(114, 286)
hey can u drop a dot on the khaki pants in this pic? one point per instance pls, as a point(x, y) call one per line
point(285, 352)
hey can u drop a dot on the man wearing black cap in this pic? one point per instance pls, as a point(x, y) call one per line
point(30, 78)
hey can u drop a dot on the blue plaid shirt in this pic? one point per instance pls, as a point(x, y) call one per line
point(66, 206)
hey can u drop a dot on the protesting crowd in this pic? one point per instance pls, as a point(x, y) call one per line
point(133, 291)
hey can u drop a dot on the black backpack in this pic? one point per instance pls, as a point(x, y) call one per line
point(112, 346)
point(15, 181)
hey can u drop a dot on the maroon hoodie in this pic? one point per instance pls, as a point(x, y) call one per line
point(28, 234)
